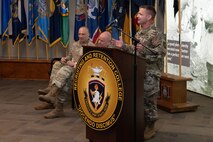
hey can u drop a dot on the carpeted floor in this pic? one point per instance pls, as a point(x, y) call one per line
point(19, 122)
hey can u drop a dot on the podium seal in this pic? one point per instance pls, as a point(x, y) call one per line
point(98, 90)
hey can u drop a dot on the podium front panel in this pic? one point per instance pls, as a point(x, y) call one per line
point(130, 123)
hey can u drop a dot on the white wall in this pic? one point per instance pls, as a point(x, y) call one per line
point(200, 42)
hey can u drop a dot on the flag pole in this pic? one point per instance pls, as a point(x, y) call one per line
point(156, 9)
point(56, 51)
point(180, 49)
point(130, 20)
point(18, 50)
point(8, 48)
point(36, 39)
point(47, 55)
point(26, 46)
point(165, 33)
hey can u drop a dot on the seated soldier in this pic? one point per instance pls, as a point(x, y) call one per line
point(104, 40)
point(53, 96)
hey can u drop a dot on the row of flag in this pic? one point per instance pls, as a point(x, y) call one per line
point(52, 26)
point(52, 19)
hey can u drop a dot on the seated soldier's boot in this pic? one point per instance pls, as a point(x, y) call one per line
point(51, 96)
point(43, 105)
point(149, 132)
point(45, 90)
point(57, 112)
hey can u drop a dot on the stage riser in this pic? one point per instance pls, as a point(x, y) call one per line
point(25, 69)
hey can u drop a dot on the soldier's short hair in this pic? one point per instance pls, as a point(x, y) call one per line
point(150, 9)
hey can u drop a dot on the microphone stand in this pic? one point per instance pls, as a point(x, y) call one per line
point(136, 41)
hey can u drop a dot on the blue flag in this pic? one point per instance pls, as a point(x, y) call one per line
point(113, 7)
point(18, 21)
point(119, 12)
point(55, 35)
point(64, 11)
point(92, 21)
point(110, 8)
point(32, 18)
point(80, 17)
point(103, 15)
point(5, 18)
point(23, 20)
point(15, 22)
point(150, 2)
point(42, 21)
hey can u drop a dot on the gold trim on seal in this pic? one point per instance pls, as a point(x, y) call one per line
point(98, 90)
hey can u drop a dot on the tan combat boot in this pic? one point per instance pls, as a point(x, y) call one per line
point(45, 90)
point(43, 105)
point(57, 112)
point(51, 96)
point(149, 131)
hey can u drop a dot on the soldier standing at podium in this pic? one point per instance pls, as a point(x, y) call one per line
point(151, 48)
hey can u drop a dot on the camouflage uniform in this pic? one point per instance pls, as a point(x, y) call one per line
point(154, 56)
point(61, 74)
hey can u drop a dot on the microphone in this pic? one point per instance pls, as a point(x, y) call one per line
point(112, 23)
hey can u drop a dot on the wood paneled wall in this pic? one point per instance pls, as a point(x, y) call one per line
point(25, 69)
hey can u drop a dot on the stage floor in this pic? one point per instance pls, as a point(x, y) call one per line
point(19, 122)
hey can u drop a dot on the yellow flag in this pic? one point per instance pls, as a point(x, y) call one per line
point(126, 29)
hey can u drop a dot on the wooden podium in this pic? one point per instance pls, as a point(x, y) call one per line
point(173, 94)
point(127, 128)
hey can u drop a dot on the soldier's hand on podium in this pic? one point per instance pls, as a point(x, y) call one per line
point(118, 43)
point(139, 47)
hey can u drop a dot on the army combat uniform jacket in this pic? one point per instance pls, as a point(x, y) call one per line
point(153, 51)
point(61, 73)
